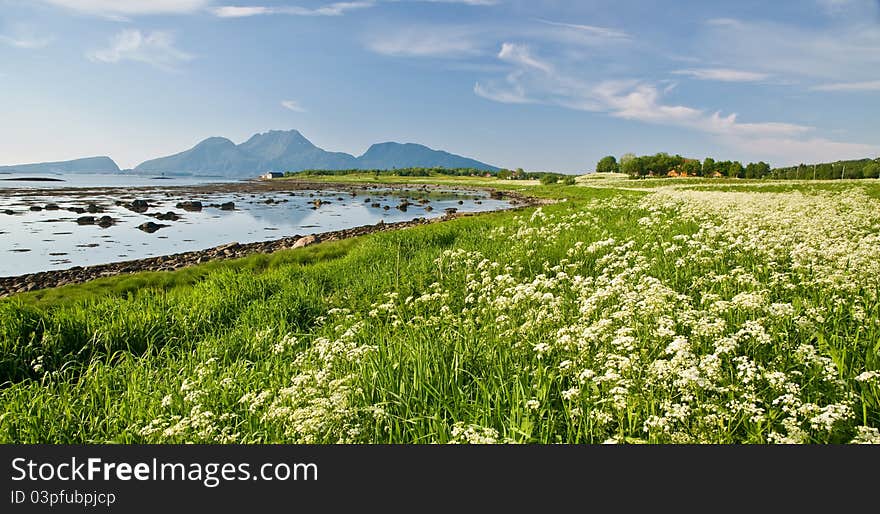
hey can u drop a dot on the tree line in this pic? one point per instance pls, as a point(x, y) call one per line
point(397, 172)
point(504, 174)
point(665, 165)
point(862, 168)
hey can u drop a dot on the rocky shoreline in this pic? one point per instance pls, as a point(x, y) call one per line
point(56, 278)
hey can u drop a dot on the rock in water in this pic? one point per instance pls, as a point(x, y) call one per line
point(168, 216)
point(138, 206)
point(190, 206)
point(150, 227)
point(227, 206)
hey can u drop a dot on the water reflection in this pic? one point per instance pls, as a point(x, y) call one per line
point(34, 238)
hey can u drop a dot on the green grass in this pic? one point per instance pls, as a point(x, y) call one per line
point(474, 330)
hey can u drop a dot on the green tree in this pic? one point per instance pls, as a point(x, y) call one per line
point(634, 167)
point(569, 180)
point(692, 168)
point(549, 178)
point(735, 170)
point(625, 158)
point(607, 164)
point(709, 167)
point(871, 170)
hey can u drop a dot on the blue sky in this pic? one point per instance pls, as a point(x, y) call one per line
point(544, 85)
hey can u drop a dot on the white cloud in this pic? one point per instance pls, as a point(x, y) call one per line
point(514, 94)
point(592, 30)
point(723, 74)
point(232, 11)
point(26, 41)
point(790, 151)
point(154, 48)
point(642, 102)
point(848, 48)
point(466, 2)
point(25, 36)
point(871, 85)
point(520, 54)
point(123, 8)
point(538, 81)
point(293, 105)
point(848, 7)
point(334, 9)
point(433, 41)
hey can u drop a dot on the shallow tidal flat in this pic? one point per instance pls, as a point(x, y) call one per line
point(61, 228)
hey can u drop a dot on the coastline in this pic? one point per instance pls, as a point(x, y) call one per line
point(12, 285)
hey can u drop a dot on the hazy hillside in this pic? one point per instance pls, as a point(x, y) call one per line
point(86, 165)
point(278, 150)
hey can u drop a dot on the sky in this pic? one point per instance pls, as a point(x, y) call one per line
point(544, 85)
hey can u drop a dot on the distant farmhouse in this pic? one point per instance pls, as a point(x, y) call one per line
point(272, 174)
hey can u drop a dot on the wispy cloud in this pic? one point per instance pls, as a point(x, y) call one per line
point(789, 151)
point(871, 85)
point(848, 7)
point(465, 2)
point(520, 54)
point(331, 9)
point(591, 30)
point(292, 105)
point(429, 41)
point(122, 8)
point(25, 37)
point(154, 48)
point(29, 42)
point(334, 9)
point(849, 48)
point(723, 74)
point(535, 80)
point(513, 93)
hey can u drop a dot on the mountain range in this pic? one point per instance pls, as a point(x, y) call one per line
point(86, 165)
point(275, 150)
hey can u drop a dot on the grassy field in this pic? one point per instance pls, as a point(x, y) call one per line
point(683, 311)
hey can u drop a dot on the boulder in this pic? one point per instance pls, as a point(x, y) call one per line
point(190, 206)
point(168, 216)
point(304, 241)
point(139, 206)
point(150, 227)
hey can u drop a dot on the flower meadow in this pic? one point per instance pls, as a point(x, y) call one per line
point(675, 314)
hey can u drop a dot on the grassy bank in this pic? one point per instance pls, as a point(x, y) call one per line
point(682, 312)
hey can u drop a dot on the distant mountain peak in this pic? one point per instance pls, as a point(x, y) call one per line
point(215, 141)
point(289, 150)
